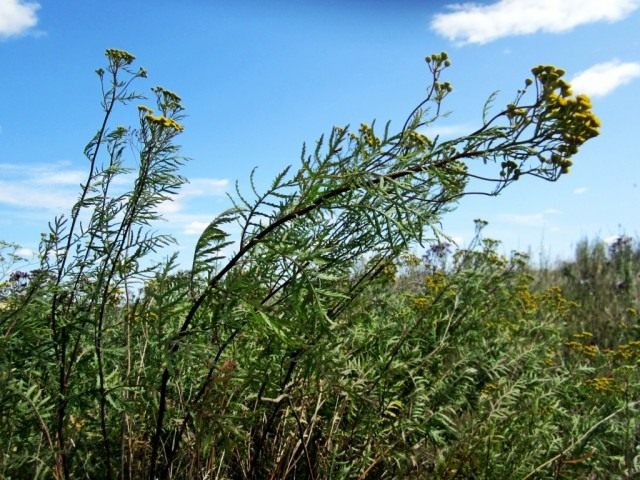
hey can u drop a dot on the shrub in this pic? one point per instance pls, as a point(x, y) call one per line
point(293, 356)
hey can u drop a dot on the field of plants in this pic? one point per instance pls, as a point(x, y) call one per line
point(315, 343)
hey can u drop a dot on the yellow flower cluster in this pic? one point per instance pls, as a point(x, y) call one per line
point(571, 115)
point(164, 122)
point(602, 384)
point(169, 99)
point(578, 345)
point(583, 335)
point(421, 302)
point(388, 273)
point(514, 111)
point(435, 282)
point(554, 298)
point(627, 351)
point(119, 57)
point(551, 79)
point(489, 388)
point(366, 133)
point(415, 139)
point(526, 298)
point(75, 422)
point(169, 94)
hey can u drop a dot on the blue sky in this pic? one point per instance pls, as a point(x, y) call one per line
point(259, 78)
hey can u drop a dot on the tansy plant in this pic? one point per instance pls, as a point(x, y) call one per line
point(135, 362)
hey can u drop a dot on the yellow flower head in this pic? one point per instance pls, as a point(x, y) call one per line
point(165, 122)
point(119, 57)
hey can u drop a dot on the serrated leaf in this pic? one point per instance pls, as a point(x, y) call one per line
point(211, 243)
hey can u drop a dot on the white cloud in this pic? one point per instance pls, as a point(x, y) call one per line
point(537, 219)
point(169, 206)
point(205, 187)
point(25, 252)
point(20, 194)
point(51, 187)
point(69, 177)
point(447, 131)
point(477, 23)
point(525, 219)
point(197, 187)
point(55, 187)
point(194, 228)
point(604, 78)
point(552, 211)
point(188, 223)
point(16, 17)
point(35, 169)
point(580, 190)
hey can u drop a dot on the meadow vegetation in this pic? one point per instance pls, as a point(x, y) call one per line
point(314, 343)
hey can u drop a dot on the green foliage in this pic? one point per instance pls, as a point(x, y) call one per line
point(318, 348)
point(603, 281)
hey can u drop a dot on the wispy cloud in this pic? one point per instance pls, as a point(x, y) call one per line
point(25, 252)
point(177, 212)
point(525, 219)
point(197, 187)
point(603, 78)
point(194, 228)
point(189, 224)
point(580, 190)
point(54, 187)
point(20, 194)
point(51, 187)
point(58, 173)
point(537, 219)
point(552, 211)
point(69, 177)
point(447, 131)
point(17, 17)
point(476, 23)
point(34, 168)
point(170, 206)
